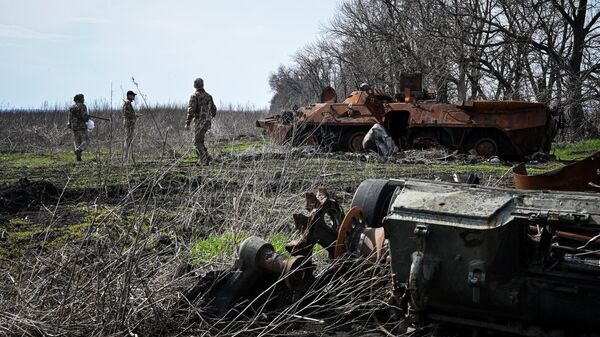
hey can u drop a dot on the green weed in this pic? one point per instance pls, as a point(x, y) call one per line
point(222, 245)
point(21, 159)
point(578, 150)
point(242, 146)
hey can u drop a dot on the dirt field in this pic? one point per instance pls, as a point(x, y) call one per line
point(108, 248)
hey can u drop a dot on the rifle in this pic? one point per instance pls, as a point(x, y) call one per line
point(102, 118)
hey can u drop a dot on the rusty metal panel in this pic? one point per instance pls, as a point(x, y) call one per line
point(412, 81)
point(329, 95)
point(275, 130)
point(490, 106)
point(583, 175)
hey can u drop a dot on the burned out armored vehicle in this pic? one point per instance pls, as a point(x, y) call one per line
point(525, 262)
point(412, 119)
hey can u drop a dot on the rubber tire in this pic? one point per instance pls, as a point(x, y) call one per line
point(373, 196)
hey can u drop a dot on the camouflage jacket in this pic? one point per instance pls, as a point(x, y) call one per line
point(200, 107)
point(78, 117)
point(128, 112)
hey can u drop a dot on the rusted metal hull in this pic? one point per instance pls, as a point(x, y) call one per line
point(504, 128)
point(583, 175)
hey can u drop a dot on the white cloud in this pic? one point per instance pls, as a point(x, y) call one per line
point(18, 32)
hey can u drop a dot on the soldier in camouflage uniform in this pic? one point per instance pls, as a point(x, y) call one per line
point(201, 109)
point(129, 117)
point(78, 118)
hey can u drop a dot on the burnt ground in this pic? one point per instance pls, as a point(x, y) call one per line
point(59, 207)
point(26, 195)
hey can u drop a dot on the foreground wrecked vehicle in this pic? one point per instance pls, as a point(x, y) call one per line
point(518, 261)
point(507, 260)
point(488, 128)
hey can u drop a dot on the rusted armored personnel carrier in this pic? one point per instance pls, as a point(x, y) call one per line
point(412, 119)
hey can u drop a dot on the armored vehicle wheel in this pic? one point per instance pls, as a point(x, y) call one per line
point(427, 138)
point(354, 141)
point(373, 196)
point(486, 147)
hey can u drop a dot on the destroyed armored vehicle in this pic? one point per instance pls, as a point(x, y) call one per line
point(413, 120)
point(524, 262)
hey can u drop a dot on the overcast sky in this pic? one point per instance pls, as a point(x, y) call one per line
point(53, 49)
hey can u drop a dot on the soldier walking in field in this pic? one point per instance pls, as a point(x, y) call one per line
point(78, 118)
point(201, 109)
point(129, 117)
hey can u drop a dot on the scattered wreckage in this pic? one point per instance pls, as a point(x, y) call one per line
point(515, 261)
point(413, 120)
point(583, 175)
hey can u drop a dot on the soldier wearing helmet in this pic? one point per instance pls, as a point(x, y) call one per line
point(78, 118)
point(201, 109)
point(129, 118)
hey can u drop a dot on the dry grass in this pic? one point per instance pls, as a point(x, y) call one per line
point(159, 129)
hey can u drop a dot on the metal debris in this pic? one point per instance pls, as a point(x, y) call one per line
point(583, 175)
point(257, 261)
point(320, 226)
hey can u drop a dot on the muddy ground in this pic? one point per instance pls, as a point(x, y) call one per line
point(179, 217)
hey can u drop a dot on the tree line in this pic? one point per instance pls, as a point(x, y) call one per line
point(534, 50)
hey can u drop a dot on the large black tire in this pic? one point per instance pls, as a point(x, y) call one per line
point(373, 196)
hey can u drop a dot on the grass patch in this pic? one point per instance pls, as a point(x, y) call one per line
point(577, 151)
point(221, 245)
point(242, 146)
point(20, 159)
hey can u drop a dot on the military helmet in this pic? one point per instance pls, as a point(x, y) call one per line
point(78, 98)
point(199, 83)
point(365, 86)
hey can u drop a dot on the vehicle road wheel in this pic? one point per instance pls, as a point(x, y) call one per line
point(424, 139)
point(354, 141)
point(486, 147)
point(373, 196)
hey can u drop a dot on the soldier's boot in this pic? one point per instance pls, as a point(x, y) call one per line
point(204, 160)
point(203, 157)
point(78, 155)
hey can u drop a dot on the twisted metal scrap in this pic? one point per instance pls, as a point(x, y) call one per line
point(320, 226)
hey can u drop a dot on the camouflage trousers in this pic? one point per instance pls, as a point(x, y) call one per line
point(201, 126)
point(129, 133)
point(80, 140)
